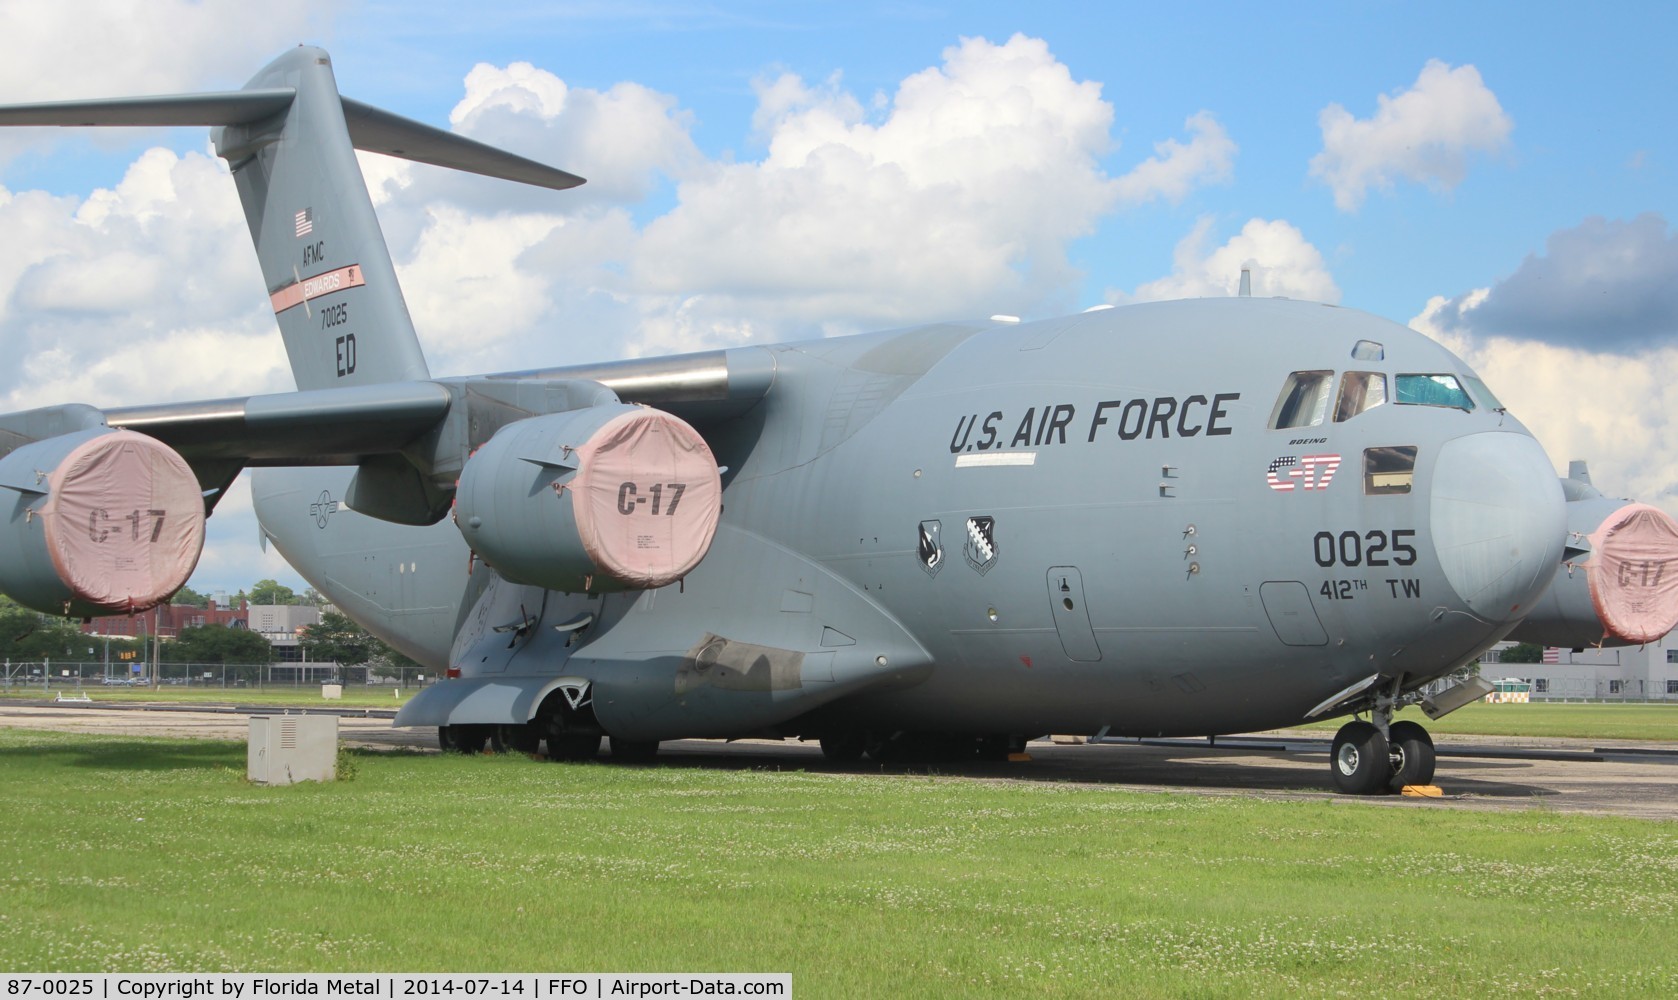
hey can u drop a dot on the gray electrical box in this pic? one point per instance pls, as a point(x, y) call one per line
point(288, 748)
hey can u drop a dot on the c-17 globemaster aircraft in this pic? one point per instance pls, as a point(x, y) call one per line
point(1181, 518)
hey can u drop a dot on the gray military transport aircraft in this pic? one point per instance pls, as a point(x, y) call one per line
point(1181, 518)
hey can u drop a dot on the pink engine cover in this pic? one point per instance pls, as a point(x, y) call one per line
point(1633, 573)
point(674, 503)
point(123, 521)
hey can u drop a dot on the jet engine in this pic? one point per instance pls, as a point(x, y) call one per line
point(1618, 584)
point(100, 521)
point(606, 498)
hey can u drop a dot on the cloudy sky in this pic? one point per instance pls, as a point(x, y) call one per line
point(1500, 176)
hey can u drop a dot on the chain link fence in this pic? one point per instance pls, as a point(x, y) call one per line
point(50, 675)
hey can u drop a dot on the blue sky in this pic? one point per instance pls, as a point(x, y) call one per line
point(1511, 164)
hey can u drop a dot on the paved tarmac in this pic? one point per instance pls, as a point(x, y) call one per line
point(1475, 772)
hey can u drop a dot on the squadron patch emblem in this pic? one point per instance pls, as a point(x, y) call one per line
point(980, 549)
point(931, 548)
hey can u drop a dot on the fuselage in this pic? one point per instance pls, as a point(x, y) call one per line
point(1178, 518)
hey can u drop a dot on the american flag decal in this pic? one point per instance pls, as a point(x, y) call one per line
point(1305, 472)
point(305, 222)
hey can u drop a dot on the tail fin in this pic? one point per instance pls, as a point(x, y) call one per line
point(290, 138)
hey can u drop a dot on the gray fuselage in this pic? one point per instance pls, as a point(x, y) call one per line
point(1063, 526)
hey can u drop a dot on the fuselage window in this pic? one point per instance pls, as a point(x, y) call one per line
point(1360, 391)
point(1431, 390)
point(1304, 400)
point(1388, 471)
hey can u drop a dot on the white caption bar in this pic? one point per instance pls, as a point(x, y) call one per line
point(397, 986)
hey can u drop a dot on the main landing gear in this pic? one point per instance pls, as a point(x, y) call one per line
point(1372, 758)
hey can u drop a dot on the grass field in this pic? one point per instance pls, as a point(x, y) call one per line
point(125, 854)
point(1601, 721)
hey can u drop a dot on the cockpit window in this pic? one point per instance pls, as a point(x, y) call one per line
point(1304, 400)
point(1368, 350)
point(1359, 391)
point(1481, 393)
point(1431, 390)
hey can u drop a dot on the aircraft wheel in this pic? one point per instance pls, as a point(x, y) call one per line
point(1412, 755)
point(1359, 759)
point(467, 739)
point(884, 749)
point(845, 747)
point(999, 748)
point(632, 751)
point(516, 739)
point(573, 746)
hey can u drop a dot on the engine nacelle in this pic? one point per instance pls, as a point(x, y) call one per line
point(607, 498)
point(1621, 590)
point(100, 522)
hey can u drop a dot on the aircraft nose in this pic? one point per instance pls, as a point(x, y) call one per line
point(1499, 522)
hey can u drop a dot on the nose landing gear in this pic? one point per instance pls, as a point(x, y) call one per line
point(1369, 758)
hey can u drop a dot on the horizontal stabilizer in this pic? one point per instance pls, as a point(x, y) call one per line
point(378, 131)
point(370, 128)
point(234, 107)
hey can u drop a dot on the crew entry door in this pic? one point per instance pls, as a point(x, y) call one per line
point(1072, 619)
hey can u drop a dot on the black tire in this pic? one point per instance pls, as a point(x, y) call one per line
point(1000, 748)
point(465, 739)
point(1413, 759)
point(632, 751)
point(1359, 760)
point(846, 747)
point(884, 749)
point(573, 746)
point(516, 739)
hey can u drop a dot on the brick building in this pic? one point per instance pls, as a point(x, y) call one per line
point(168, 620)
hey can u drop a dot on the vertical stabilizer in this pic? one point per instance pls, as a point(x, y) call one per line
point(291, 140)
point(323, 257)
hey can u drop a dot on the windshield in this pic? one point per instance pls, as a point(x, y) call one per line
point(1431, 390)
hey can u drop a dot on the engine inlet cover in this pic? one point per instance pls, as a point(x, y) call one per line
point(1634, 573)
point(612, 497)
point(100, 522)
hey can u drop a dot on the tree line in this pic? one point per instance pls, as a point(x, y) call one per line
point(28, 636)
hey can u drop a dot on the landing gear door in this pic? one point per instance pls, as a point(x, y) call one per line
point(1072, 619)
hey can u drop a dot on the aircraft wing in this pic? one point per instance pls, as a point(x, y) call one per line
point(312, 427)
point(406, 428)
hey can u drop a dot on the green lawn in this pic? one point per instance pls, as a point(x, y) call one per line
point(126, 854)
point(1650, 722)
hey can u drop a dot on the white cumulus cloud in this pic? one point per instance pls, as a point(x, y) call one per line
point(1281, 259)
point(121, 297)
point(94, 48)
point(1425, 134)
point(1177, 168)
point(1604, 408)
point(957, 194)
